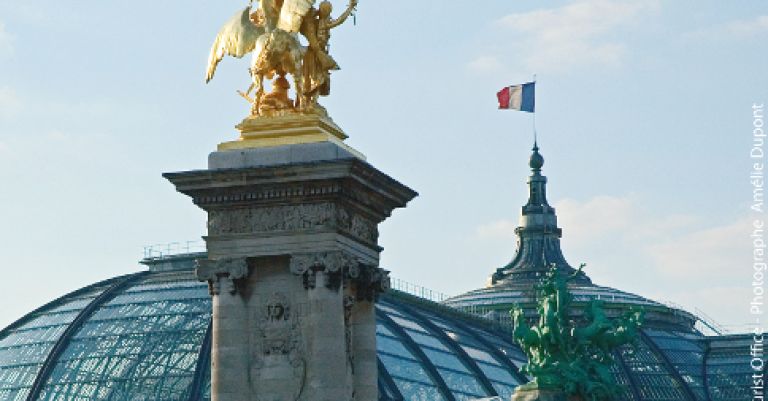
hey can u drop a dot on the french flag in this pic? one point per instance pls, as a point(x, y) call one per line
point(518, 97)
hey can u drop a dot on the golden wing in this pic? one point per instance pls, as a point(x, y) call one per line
point(291, 14)
point(271, 11)
point(236, 38)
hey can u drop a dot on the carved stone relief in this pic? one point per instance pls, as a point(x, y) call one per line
point(349, 302)
point(272, 218)
point(222, 274)
point(278, 350)
point(291, 218)
point(363, 228)
point(331, 264)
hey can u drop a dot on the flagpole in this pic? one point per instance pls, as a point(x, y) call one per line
point(535, 135)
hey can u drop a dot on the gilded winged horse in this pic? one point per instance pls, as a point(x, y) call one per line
point(271, 33)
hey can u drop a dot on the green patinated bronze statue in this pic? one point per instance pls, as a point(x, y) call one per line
point(568, 357)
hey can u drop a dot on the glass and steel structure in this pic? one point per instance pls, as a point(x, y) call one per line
point(146, 336)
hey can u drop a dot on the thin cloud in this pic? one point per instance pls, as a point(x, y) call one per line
point(497, 230)
point(750, 27)
point(578, 34)
point(703, 254)
point(6, 41)
point(10, 104)
point(677, 246)
point(736, 29)
point(57, 135)
point(485, 64)
point(585, 222)
point(589, 221)
point(726, 306)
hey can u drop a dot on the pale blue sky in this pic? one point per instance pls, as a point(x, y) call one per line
point(644, 114)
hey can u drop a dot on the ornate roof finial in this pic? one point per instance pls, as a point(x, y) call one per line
point(538, 234)
point(537, 160)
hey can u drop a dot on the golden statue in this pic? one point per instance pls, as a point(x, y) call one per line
point(318, 64)
point(272, 34)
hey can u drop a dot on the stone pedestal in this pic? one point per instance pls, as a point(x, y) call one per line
point(539, 394)
point(288, 129)
point(293, 269)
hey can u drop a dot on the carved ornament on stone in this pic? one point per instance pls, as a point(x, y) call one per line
point(349, 302)
point(222, 274)
point(328, 265)
point(277, 347)
point(250, 220)
point(337, 268)
point(272, 194)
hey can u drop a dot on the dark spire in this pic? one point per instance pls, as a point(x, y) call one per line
point(538, 237)
point(537, 184)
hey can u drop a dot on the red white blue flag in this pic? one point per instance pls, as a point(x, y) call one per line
point(518, 97)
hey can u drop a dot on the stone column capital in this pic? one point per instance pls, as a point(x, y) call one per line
point(340, 268)
point(221, 273)
point(332, 261)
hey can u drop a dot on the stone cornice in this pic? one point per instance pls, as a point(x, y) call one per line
point(352, 178)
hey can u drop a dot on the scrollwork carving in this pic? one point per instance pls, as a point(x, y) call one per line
point(371, 282)
point(339, 268)
point(222, 274)
point(333, 265)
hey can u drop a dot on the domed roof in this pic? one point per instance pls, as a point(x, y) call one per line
point(146, 336)
point(538, 248)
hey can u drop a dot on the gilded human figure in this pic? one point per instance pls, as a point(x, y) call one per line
point(318, 63)
point(272, 32)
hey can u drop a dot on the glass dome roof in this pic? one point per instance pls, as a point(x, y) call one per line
point(146, 336)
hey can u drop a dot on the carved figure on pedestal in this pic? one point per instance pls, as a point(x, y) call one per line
point(271, 33)
point(277, 348)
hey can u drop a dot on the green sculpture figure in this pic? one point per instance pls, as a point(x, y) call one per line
point(563, 356)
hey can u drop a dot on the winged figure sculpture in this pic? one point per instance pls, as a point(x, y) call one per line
point(272, 34)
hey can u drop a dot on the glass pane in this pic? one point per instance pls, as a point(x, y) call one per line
point(445, 360)
point(480, 355)
point(382, 329)
point(497, 373)
point(729, 374)
point(392, 346)
point(504, 391)
point(461, 382)
point(24, 349)
point(655, 381)
point(413, 391)
point(407, 323)
point(405, 369)
point(423, 339)
point(388, 308)
point(141, 345)
point(686, 353)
